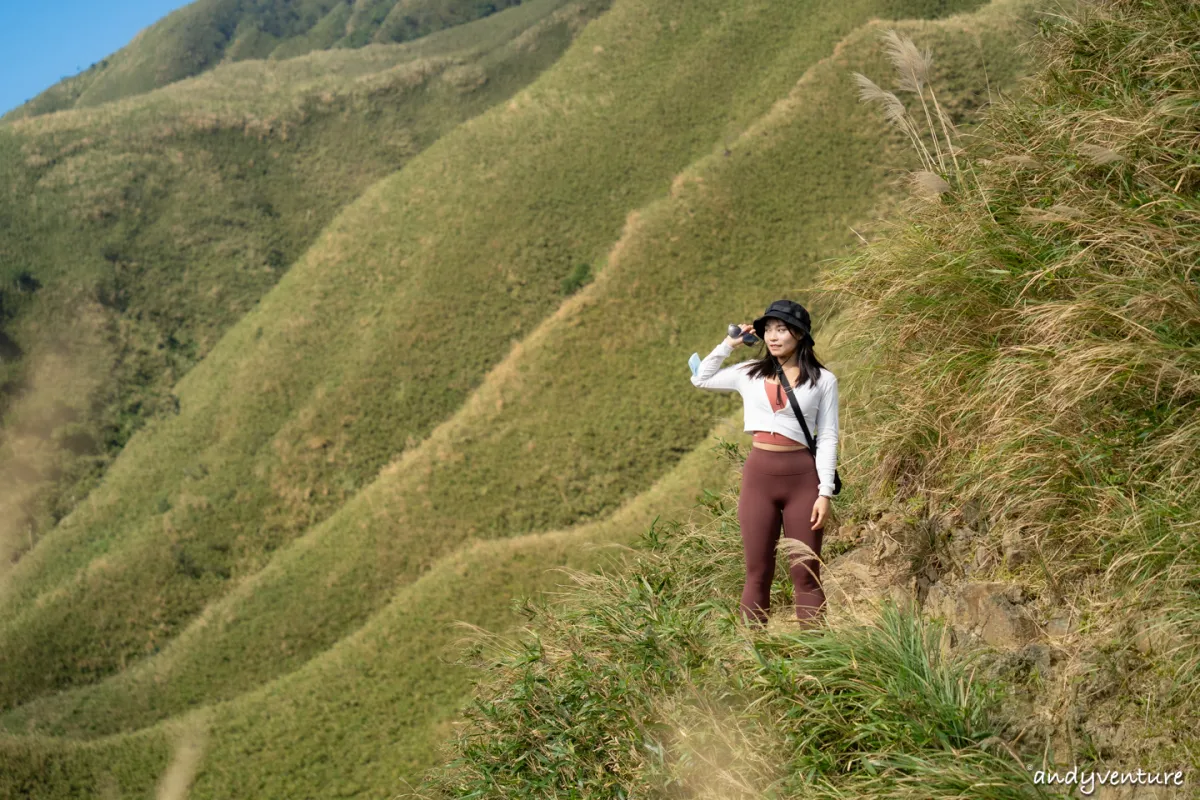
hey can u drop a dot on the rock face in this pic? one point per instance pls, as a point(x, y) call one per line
point(990, 610)
point(857, 580)
point(892, 547)
point(1068, 690)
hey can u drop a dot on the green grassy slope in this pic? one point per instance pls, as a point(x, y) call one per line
point(351, 358)
point(385, 695)
point(1031, 336)
point(166, 216)
point(207, 33)
point(399, 526)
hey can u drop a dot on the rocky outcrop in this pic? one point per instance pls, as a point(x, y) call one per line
point(914, 563)
point(1071, 691)
point(990, 610)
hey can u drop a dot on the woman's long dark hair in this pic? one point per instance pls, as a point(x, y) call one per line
point(810, 367)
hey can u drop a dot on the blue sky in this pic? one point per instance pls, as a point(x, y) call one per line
point(44, 41)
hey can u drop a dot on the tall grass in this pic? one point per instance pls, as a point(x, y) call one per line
point(1032, 339)
point(641, 682)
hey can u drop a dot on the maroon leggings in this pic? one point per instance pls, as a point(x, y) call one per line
point(779, 487)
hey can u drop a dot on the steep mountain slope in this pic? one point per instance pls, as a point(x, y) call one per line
point(136, 232)
point(206, 33)
point(578, 418)
point(383, 697)
point(369, 341)
point(1031, 339)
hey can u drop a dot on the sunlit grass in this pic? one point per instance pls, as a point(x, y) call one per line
point(147, 227)
point(329, 378)
point(1031, 334)
point(641, 681)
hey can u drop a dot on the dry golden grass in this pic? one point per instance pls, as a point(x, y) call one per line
point(63, 375)
point(1031, 336)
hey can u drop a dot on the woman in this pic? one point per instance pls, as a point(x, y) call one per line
point(781, 481)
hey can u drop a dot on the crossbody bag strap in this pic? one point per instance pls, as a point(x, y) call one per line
point(796, 408)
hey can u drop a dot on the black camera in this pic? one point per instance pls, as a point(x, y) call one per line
point(747, 337)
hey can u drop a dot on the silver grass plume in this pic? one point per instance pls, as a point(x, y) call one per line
point(893, 111)
point(1099, 155)
point(1058, 212)
point(868, 91)
point(1020, 161)
point(912, 64)
point(929, 184)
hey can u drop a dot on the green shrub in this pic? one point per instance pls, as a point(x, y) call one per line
point(579, 277)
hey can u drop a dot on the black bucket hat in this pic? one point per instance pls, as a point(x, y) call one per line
point(792, 313)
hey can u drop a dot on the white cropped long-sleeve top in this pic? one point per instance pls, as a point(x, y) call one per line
point(818, 404)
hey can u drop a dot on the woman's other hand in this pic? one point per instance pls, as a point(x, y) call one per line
point(737, 342)
point(820, 512)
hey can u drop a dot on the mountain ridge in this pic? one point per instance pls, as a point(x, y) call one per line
point(205, 33)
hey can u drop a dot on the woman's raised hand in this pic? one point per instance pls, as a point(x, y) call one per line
point(735, 342)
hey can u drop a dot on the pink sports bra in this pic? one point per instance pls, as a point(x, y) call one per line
point(778, 399)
